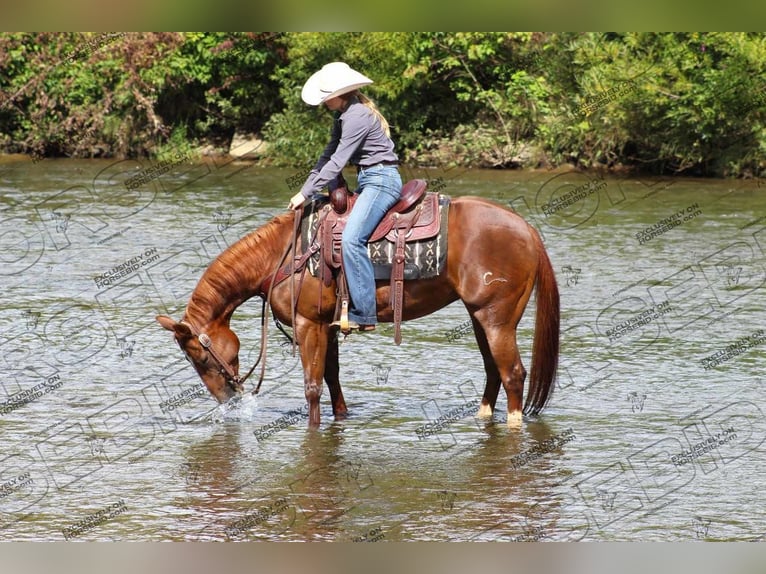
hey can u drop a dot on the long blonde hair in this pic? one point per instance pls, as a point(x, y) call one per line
point(364, 100)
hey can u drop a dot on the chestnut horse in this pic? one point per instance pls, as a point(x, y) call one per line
point(494, 260)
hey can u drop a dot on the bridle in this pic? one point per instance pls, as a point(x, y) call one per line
point(235, 382)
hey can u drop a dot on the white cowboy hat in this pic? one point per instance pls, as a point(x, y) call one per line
point(332, 80)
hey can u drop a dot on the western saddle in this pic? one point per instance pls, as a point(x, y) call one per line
point(415, 217)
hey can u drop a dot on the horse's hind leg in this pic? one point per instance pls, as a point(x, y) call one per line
point(492, 387)
point(332, 378)
point(516, 388)
point(501, 339)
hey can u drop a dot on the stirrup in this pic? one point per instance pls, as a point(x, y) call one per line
point(344, 323)
point(352, 326)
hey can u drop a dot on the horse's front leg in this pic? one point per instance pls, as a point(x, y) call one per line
point(313, 340)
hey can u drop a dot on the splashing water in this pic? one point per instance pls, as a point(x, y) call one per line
point(238, 408)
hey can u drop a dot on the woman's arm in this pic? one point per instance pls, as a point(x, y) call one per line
point(354, 128)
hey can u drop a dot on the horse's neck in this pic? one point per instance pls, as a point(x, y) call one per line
point(237, 273)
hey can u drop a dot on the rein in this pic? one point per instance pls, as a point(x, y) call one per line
point(277, 276)
point(267, 305)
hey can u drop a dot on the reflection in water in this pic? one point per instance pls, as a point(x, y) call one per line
point(209, 474)
point(500, 496)
point(525, 473)
point(306, 499)
point(210, 463)
point(326, 485)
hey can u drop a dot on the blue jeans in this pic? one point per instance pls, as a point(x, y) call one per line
point(380, 187)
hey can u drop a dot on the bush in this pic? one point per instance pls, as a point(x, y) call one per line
point(677, 103)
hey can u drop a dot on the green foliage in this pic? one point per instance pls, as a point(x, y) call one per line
point(90, 95)
point(690, 103)
point(298, 133)
point(694, 109)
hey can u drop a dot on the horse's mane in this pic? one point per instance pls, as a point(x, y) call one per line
point(232, 271)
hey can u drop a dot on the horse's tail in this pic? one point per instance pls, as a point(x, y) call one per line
point(545, 349)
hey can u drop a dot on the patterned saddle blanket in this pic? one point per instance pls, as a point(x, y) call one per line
point(425, 246)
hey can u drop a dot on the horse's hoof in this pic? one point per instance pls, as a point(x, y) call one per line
point(514, 420)
point(485, 412)
point(341, 415)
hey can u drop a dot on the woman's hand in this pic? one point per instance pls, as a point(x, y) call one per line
point(296, 201)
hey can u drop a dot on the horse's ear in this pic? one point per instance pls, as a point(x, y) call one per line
point(181, 329)
point(166, 322)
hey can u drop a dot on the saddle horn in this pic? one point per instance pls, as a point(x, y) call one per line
point(339, 196)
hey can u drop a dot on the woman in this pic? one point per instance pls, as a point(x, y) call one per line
point(360, 136)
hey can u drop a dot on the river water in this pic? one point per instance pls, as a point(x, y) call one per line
point(655, 430)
